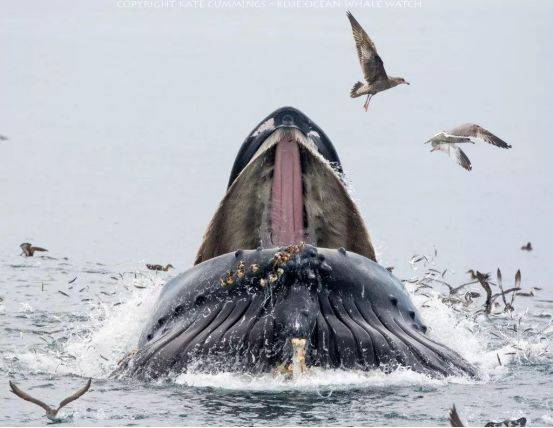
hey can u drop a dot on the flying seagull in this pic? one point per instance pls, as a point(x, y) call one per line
point(446, 141)
point(51, 413)
point(28, 250)
point(376, 79)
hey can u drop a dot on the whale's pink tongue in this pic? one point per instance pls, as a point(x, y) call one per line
point(287, 195)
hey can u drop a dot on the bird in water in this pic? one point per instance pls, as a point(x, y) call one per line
point(484, 280)
point(28, 250)
point(455, 421)
point(376, 79)
point(527, 247)
point(51, 412)
point(160, 267)
point(520, 422)
point(509, 306)
point(446, 141)
point(3, 138)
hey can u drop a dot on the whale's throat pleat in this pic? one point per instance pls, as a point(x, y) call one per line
point(286, 203)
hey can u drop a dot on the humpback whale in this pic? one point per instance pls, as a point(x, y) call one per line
point(287, 267)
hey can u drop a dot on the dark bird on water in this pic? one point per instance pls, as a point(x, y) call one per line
point(520, 422)
point(455, 421)
point(508, 306)
point(483, 279)
point(446, 141)
point(527, 247)
point(28, 250)
point(51, 412)
point(3, 138)
point(376, 79)
point(160, 267)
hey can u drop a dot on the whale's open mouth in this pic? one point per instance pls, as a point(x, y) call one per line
point(298, 186)
point(256, 304)
point(286, 187)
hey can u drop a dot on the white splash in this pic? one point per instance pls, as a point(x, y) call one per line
point(474, 338)
point(451, 329)
point(111, 332)
point(314, 379)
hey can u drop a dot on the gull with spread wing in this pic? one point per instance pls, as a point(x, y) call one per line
point(28, 250)
point(376, 79)
point(51, 412)
point(446, 141)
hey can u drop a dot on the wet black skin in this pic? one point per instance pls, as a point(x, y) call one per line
point(353, 313)
point(239, 311)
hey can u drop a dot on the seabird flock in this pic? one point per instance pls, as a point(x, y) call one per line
point(376, 80)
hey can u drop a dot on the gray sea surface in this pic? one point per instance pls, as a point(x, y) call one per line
point(123, 124)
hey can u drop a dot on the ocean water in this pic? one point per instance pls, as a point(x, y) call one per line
point(52, 341)
point(122, 126)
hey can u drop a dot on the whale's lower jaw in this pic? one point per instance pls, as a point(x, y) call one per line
point(239, 312)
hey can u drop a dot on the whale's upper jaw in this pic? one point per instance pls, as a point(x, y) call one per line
point(289, 117)
point(286, 187)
